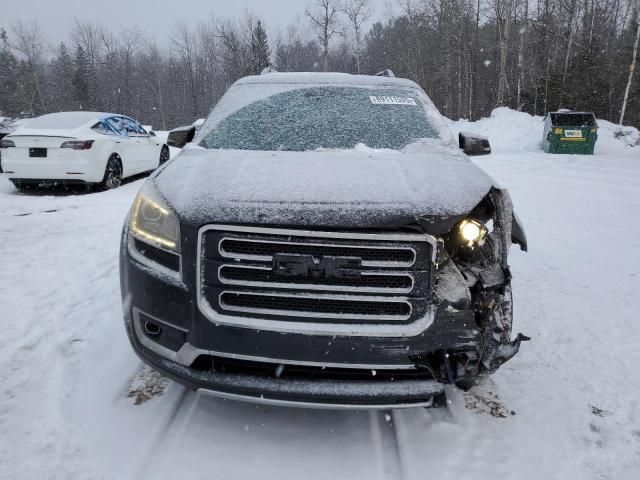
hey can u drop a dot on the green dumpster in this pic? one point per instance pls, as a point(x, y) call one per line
point(569, 132)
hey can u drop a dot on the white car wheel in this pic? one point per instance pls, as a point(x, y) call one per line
point(112, 173)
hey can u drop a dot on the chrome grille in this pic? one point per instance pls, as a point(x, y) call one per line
point(372, 256)
point(336, 277)
point(374, 281)
point(326, 306)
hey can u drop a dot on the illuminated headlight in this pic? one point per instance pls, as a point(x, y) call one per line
point(472, 232)
point(153, 222)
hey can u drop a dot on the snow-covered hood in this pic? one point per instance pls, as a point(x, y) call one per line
point(344, 189)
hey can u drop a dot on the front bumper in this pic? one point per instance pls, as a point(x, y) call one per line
point(275, 368)
point(282, 389)
point(168, 330)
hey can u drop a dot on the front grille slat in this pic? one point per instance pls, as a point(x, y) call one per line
point(329, 306)
point(263, 276)
point(329, 278)
point(264, 250)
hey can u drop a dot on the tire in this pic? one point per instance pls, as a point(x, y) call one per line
point(164, 155)
point(112, 174)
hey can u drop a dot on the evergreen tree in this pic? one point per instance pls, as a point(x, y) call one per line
point(81, 79)
point(8, 79)
point(260, 52)
point(61, 80)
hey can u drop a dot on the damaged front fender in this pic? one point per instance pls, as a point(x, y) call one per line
point(474, 284)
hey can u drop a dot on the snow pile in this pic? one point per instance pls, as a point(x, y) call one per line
point(511, 131)
point(506, 129)
point(162, 135)
point(617, 138)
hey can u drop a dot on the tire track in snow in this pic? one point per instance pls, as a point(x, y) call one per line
point(383, 431)
point(156, 451)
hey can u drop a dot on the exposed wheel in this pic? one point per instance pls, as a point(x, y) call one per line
point(112, 173)
point(164, 155)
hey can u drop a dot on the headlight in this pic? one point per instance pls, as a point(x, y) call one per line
point(152, 221)
point(472, 232)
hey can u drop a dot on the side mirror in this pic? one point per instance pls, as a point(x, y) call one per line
point(152, 133)
point(473, 144)
point(179, 137)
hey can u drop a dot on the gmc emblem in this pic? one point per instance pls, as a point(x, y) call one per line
point(308, 266)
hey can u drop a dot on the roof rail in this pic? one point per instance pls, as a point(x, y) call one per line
point(385, 73)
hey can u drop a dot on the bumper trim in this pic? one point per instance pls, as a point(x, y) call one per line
point(188, 353)
point(312, 405)
point(185, 356)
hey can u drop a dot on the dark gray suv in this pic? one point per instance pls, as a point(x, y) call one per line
point(323, 241)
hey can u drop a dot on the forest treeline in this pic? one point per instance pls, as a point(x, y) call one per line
point(469, 55)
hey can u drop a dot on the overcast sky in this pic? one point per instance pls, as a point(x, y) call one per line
point(155, 17)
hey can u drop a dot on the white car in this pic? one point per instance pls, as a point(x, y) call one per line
point(80, 148)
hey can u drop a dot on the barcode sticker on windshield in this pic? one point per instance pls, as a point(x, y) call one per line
point(386, 100)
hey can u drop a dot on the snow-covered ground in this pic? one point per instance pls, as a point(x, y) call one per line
point(75, 402)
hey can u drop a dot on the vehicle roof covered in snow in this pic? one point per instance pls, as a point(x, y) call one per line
point(316, 78)
point(64, 120)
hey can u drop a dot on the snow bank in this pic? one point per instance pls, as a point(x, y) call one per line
point(616, 138)
point(511, 131)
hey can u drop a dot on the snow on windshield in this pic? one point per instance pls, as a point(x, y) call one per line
point(325, 117)
point(62, 120)
point(242, 95)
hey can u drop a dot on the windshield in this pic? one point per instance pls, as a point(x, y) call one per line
point(328, 117)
